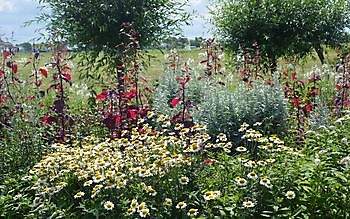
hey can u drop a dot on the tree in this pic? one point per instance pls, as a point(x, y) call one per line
point(96, 25)
point(197, 42)
point(282, 27)
point(26, 47)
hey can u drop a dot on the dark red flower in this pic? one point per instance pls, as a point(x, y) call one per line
point(43, 71)
point(67, 76)
point(175, 101)
point(209, 161)
point(102, 95)
point(14, 68)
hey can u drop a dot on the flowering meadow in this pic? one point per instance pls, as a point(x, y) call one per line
point(205, 141)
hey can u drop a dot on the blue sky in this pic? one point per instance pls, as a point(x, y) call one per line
point(14, 13)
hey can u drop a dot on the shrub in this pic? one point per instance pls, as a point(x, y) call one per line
point(223, 111)
point(220, 109)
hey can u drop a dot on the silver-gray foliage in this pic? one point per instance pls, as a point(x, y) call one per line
point(222, 110)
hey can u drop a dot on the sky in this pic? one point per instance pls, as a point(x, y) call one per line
point(14, 13)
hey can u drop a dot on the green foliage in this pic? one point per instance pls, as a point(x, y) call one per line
point(96, 26)
point(22, 143)
point(281, 28)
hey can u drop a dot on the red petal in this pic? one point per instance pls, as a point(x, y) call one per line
point(127, 79)
point(65, 68)
point(131, 94)
point(46, 120)
point(208, 161)
point(186, 81)
point(346, 103)
point(179, 79)
point(2, 100)
point(118, 120)
point(67, 76)
point(296, 102)
point(294, 76)
point(102, 95)
point(14, 68)
point(43, 71)
point(133, 113)
point(6, 54)
point(175, 101)
point(308, 107)
point(338, 87)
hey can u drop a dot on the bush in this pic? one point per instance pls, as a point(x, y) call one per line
point(223, 111)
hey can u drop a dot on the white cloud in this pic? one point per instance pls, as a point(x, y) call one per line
point(7, 6)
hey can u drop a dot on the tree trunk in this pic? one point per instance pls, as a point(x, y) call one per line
point(273, 65)
point(319, 51)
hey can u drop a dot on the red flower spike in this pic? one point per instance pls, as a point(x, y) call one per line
point(102, 95)
point(43, 71)
point(338, 87)
point(2, 100)
point(294, 76)
point(175, 101)
point(2, 74)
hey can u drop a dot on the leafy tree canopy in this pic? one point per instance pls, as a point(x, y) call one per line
point(282, 27)
point(95, 25)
